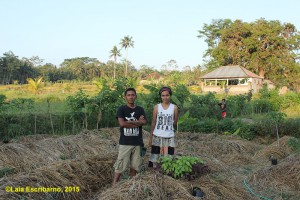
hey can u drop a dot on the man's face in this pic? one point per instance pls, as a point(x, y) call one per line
point(130, 96)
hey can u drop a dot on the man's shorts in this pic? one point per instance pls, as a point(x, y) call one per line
point(128, 156)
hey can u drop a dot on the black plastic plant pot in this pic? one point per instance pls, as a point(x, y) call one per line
point(274, 161)
point(197, 192)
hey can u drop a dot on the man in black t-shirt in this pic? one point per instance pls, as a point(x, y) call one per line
point(131, 118)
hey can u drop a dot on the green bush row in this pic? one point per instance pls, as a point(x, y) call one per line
point(245, 129)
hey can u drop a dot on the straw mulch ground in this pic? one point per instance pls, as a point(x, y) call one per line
point(282, 180)
point(31, 152)
point(88, 175)
point(239, 169)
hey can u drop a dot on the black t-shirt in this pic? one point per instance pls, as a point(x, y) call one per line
point(130, 136)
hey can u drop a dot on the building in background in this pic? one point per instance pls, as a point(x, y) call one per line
point(231, 80)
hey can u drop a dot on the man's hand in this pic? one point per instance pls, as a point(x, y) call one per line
point(142, 120)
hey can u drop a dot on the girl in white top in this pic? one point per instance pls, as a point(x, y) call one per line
point(164, 121)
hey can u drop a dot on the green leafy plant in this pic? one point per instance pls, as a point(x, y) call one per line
point(276, 118)
point(180, 166)
point(182, 119)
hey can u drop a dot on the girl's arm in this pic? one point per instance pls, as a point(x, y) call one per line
point(175, 117)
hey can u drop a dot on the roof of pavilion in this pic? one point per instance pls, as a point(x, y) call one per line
point(230, 71)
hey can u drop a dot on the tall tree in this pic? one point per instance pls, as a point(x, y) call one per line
point(83, 68)
point(126, 42)
point(9, 64)
point(115, 52)
point(268, 48)
point(212, 34)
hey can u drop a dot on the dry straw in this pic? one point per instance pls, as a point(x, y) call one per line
point(90, 175)
point(86, 160)
point(28, 154)
point(278, 180)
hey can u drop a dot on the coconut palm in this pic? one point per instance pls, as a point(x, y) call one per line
point(114, 53)
point(126, 42)
point(35, 84)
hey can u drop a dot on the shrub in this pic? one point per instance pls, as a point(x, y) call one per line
point(236, 105)
point(2, 99)
point(180, 166)
point(207, 126)
point(189, 125)
point(290, 127)
point(237, 127)
point(294, 143)
point(226, 124)
point(204, 106)
point(262, 127)
point(262, 106)
point(290, 99)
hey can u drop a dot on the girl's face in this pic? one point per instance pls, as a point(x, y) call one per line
point(165, 97)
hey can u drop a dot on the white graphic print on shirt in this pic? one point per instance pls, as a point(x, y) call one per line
point(164, 122)
point(131, 131)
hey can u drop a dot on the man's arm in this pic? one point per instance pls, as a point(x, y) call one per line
point(126, 124)
point(142, 121)
point(132, 124)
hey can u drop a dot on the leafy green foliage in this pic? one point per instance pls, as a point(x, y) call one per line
point(35, 84)
point(236, 105)
point(290, 127)
point(267, 48)
point(180, 166)
point(182, 93)
point(294, 143)
point(261, 106)
point(276, 118)
point(80, 105)
point(2, 99)
point(204, 106)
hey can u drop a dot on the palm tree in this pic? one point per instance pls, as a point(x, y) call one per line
point(35, 84)
point(114, 53)
point(126, 42)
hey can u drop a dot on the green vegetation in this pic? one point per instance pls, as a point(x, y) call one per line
point(84, 93)
point(180, 166)
point(249, 115)
point(268, 48)
point(6, 171)
point(294, 143)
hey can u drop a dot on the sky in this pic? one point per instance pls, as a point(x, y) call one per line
point(162, 30)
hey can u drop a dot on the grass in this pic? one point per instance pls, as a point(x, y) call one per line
point(6, 171)
point(58, 90)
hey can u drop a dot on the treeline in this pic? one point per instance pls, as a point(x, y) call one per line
point(15, 70)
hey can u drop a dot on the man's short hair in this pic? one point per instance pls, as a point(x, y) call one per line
point(129, 89)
